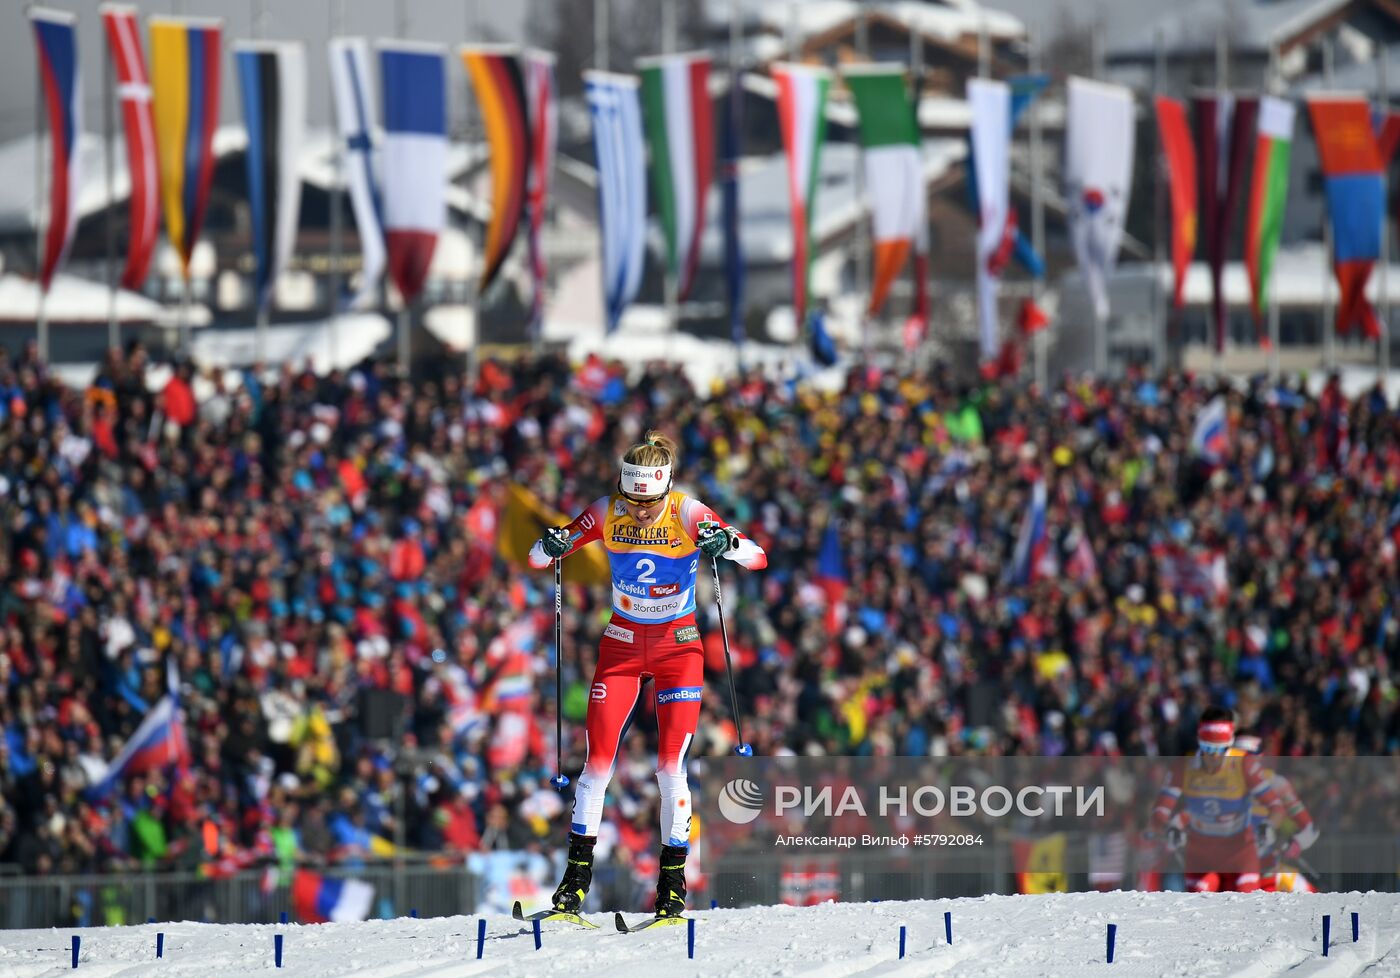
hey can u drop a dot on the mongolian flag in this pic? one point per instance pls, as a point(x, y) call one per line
point(56, 36)
point(1268, 196)
point(1351, 164)
point(802, 120)
point(185, 59)
point(272, 80)
point(1224, 124)
point(543, 113)
point(676, 112)
point(1180, 154)
point(498, 78)
point(134, 90)
point(414, 77)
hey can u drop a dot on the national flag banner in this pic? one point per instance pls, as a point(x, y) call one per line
point(524, 521)
point(185, 76)
point(1034, 558)
point(318, 899)
point(352, 91)
point(802, 91)
point(833, 576)
point(1268, 196)
point(1098, 178)
point(894, 179)
point(272, 81)
point(1025, 89)
point(1351, 166)
point(159, 742)
point(731, 154)
point(622, 187)
point(1180, 154)
point(680, 134)
point(56, 40)
point(990, 102)
point(498, 78)
point(138, 123)
point(414, 76)
point(1040, 864)
point(1210, 435)
point(542, 111)
point(1224, 124)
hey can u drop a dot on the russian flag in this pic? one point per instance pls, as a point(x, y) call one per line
point(159, 742)
point(56, 37)
point(1210, 438)
point(414, 77)
point(318, 899)
point(832, 576)
point(1033, 558)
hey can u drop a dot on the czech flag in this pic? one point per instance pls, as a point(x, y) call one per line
point(318, 899)
point(185, 59)
point(159, 742)
point(56, 37)
point(414, 77)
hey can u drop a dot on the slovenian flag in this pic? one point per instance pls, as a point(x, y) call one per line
point(414, 77)
point(318, 899)
point(56, 36)
point(1268, 195)
point(802, 119)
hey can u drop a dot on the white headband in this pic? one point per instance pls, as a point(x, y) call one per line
point(644, 480)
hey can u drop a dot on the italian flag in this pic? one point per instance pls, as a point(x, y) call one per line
point(677, 116)
point(802, 119)
point(1267, 196)
point(894, 182)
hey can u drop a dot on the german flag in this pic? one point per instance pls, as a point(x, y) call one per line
point(499, 81)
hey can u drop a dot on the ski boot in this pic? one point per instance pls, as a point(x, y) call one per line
point(578, 874)
point(670, 884)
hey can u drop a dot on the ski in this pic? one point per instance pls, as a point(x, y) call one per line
point(622, 927)
point(551, 916)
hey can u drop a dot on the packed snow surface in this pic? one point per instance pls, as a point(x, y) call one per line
point(1159, 934)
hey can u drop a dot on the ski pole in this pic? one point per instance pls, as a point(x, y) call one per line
point(560, 781)
point(744, 749)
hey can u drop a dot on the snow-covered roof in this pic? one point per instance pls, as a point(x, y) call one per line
point(1193, 25)
point(329, 343)
point(71, 300)
point(943, 19)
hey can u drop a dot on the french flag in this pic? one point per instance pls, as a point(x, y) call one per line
point(318, 899)
point(414, 77)
point(159, 742)
point(1034, 558)
point(56, 37)
point(1210, 438)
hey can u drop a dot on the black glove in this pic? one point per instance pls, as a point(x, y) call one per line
point(715, 539)
point(555, 542)
point(1176, 838)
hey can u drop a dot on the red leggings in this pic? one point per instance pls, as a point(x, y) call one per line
point(672, 657)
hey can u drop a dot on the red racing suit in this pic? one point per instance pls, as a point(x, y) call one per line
point(652, 634)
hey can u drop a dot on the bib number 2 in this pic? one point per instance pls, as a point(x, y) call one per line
point(646, 571)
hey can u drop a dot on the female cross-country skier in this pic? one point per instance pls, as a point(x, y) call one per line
point(656, 539)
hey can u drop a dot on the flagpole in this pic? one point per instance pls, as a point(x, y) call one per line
point(108, 134)
point(1274, 369)
point(1100, 321)
point(404, 350)
point(1384, 285)
point(1158, 318)
point(1042, 335)
point(916, 63)
point(600, 34)
point(863, 226)
point(735, 35)
point(41, 322)
point(1329, 338)
point(337, 228)
point(1222, 82)
point(473, 281)
point(671, 278)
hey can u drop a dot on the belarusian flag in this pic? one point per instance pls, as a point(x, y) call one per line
point(676, 112)
point(894, 180)
point(802, 119)
point(1268, 195)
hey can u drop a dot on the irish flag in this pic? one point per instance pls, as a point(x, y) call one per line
point(1267, 196)
point(676, 113)
point(802, 119)
point(894, 181)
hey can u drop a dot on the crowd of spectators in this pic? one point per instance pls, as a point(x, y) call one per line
point(313, 561)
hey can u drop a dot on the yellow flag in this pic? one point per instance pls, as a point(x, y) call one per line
point(525, 520)
point(1040, 865)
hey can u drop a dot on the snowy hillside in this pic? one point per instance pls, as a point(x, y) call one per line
point(1025, 936)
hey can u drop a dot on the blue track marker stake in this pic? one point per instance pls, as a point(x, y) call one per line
point(1326, 932)
point(160, 944)
point(537, 934)
point(1355, 927)
point(282, 917)
point(480, 937)
point(690, 939)
point(714, 904)
point(150, 920)
point(277, 950)
point(901, 940)
point(948, 925)
point(77, 942)
point(1112, 939)
point(413, 913)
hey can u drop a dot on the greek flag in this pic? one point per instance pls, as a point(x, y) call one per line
point(354, 115)
point(622, 185)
